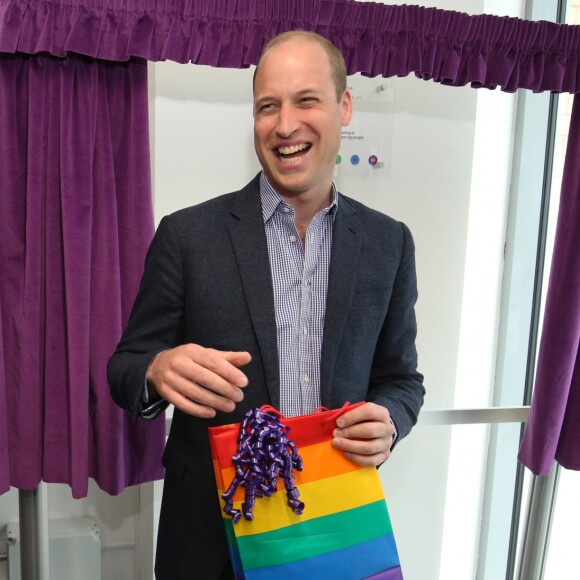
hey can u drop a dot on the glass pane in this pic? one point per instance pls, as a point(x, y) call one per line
point(436, 505)
point(562, 557)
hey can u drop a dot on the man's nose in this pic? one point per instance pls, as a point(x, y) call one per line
point(288, 121)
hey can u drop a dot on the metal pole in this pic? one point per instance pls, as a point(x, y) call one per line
point(538, 525)
point(43, 531)
point(29, 544)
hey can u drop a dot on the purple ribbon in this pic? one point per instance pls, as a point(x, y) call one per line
point(264, 453)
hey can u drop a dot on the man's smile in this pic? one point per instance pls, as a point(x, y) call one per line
point(293, 153)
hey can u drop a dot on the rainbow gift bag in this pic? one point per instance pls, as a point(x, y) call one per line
point(344, 530)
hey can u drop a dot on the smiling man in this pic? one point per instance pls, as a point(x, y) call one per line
point(299, 113)
point(284, 293)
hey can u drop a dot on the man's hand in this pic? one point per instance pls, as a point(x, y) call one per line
point(198, 381)
point(365, 434)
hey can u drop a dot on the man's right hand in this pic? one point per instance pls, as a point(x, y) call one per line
point(198, 381)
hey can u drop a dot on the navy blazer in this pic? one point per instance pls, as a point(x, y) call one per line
point(207, 280)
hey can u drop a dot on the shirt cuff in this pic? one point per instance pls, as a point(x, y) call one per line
point(151, 410)
point(394, 435)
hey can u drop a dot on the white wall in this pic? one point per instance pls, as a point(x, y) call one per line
point(116, 517)
point(203, 134)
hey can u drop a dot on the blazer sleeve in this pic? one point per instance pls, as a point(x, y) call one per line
point(394, 380)
point(156, 322)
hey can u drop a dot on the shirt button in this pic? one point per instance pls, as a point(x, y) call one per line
point(292, 238)
point(306, 379)
point(286, 209)
point(305, 331)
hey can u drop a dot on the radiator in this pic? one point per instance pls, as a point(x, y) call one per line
point(74, 549)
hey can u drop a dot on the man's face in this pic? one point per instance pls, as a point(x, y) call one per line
point(297, 119)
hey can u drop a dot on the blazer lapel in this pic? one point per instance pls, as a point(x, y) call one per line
point(346, 247)
point(248, 237)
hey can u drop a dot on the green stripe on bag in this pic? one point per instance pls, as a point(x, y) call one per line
point(315, 537)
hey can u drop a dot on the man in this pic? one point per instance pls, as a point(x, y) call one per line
point(284, 293)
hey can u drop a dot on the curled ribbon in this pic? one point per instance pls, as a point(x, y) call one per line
point(264, 453)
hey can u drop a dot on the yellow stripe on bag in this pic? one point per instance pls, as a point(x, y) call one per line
point(321, 498)
point(320, 461)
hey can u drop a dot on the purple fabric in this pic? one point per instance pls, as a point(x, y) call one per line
point(376, 39)
point(76, 221)
point(392, 574)
point(4, 454)
point(553, 428)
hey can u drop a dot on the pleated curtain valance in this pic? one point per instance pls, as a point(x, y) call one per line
point(449, 47)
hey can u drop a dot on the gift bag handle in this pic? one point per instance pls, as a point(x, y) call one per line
point(273, 410)
point(319, 410)
point(332, 416)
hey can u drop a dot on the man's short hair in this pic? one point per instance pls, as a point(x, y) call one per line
point(336, 60)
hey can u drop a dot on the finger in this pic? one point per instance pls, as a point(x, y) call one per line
point(372, 452)
point(209, 398)
point(214, 383)
point(203, 366)
point(368, 460)
point(188, 359)
point(366, 412)
point(236, 358)
point(364, 447)
point(191, 408)
point(207, 387)
point(367, 430)
point(217, 362)
point(181, 373)
point(189, 396)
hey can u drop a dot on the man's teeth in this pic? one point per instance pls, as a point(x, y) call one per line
point(292, 149)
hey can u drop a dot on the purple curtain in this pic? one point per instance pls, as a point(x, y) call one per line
point(75, 202)
point(376, 39)
point(553, 428)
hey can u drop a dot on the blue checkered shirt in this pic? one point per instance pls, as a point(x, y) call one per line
point(300, 280)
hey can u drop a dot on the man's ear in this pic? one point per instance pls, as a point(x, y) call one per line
point(346, 108)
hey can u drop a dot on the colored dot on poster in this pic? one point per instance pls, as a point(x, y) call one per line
point(355, 159)
point(338, 159)
point(373, 160)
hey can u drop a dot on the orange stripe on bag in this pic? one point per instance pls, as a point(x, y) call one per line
point(329, 462)
point(315, 428)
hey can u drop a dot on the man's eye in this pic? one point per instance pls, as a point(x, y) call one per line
point(308, 101)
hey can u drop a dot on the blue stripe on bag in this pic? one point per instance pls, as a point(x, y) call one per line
point(357, 561)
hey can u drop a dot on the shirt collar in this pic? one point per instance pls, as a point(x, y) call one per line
point(271, 199)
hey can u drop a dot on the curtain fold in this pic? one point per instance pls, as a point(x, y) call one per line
point(446, 46)
point(553, 428)
point(4, 441)
point(76, 222)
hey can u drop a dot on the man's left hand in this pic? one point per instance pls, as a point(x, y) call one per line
point(365, 434)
